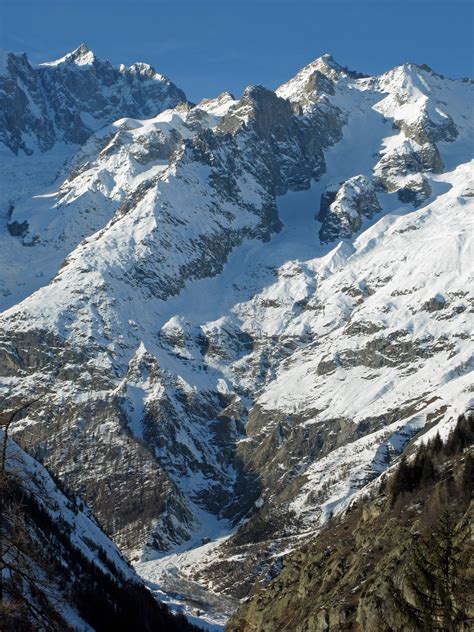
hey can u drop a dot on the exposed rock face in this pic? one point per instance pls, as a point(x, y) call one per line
point(204, 365)
point(314, 83)
point(342, 217)
point(422, 127)
point(402, 170)
point(289, 147)
point(414, 191)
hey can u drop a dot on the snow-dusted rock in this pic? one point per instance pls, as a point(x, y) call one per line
point(351, 203)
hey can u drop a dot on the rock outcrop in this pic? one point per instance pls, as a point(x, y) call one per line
point(342, 216)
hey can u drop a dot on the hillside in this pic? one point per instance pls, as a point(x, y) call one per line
point(59, 571)
point(399, 558)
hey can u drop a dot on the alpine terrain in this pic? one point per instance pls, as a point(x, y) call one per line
point(223, 323)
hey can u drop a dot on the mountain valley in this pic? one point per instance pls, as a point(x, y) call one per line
point(229, 319)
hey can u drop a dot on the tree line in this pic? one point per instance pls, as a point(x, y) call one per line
point(425, 467)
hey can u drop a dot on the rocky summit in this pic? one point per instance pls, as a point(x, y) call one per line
point(223, 321)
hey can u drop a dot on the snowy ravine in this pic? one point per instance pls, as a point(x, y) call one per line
point(234, 315)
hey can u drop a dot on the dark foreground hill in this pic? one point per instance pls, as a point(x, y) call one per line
point(59, 571)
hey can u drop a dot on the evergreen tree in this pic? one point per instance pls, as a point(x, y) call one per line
point(461, 437)
point(438, 581)
point(427, 469)
point(467, 477)
point(437, 444)
point(401, 481)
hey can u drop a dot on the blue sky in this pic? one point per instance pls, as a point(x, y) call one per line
point(206, 47)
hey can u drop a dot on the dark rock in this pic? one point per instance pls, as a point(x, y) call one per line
point(341, 218)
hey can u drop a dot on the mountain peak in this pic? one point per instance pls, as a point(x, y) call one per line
point(325, 62)
point(317, 77)
point(328, 59)
point(142, 69)
point(81, 50)
point(80, 56)
point(328, 65)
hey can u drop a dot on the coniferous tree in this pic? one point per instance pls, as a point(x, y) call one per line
point(438, 583)
point(437, 444)
point(401, 481)
point(461, 437)
point(467, 477)
point(427, 469)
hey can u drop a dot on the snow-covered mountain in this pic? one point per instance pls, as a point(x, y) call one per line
point(234, 314)
point(69, 98)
